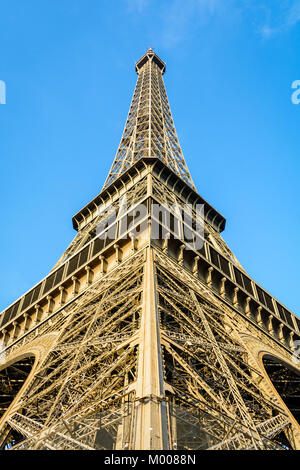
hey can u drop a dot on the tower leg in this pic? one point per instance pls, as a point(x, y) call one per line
point(151, 430)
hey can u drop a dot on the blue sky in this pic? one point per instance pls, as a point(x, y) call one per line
point(68, 66)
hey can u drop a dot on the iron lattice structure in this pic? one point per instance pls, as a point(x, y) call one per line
point(149, 129)
point(135, 341)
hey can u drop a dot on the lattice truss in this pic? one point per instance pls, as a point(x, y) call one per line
point(218, 401)
point(79, 397)
point(82, 396)
point(169, 198)
point(132, 197)
point(149, 129)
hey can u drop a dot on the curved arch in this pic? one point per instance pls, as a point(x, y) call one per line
point(37, 350)
point(13, 376)
point(286, 381)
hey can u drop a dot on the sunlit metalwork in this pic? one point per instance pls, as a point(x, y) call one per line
point(138, 342)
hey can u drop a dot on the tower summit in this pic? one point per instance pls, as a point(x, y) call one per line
point(149, 130)
point(148, 333)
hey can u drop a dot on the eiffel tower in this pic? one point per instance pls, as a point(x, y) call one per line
point(148, 333)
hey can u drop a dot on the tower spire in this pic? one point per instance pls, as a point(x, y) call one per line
point(149, 129)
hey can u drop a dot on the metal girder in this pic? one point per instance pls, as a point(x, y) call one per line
point(145, 354)
point(149, 130)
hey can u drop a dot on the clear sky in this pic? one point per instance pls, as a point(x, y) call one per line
point(68, 66)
